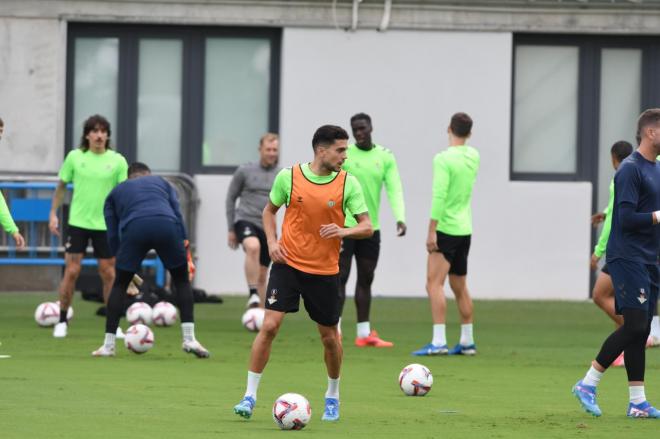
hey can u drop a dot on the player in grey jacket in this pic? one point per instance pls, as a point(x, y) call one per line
point(251, 184)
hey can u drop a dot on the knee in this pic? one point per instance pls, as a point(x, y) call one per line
point(107, 272)
point(270, 329)
point(637, 328)
point(330, 340)
point(252, 249)
point(72, 270)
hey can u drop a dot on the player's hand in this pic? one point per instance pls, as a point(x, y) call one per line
point(54, 224)
point(276, 252)
point(401, 228)
point(597, 218)
point(432, 243)
point(20, 241)
point(329, 231)
point(132, 289)
point(232, 242)
point(189, 258)
point(594, 262)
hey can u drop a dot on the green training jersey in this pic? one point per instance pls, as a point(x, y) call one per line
point(599, 250)
point(6, 220)
point(373, 168)
point(93, 177)
point(354, 203)
point(454, 173)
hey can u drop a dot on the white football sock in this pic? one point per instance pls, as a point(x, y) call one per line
point(252, 384)
point(467, 338)
point(109, 341)
point(655, 327)
point(363, 329)
point(439, 335)
point(188, 330)
point(637, 395)
point(592, 378)
point(333, 388)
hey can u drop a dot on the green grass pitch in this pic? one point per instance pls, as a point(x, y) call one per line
point(518, 386)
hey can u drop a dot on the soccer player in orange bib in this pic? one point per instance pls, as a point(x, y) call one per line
point(318, 196)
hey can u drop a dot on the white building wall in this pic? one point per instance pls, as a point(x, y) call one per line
point(531, 240)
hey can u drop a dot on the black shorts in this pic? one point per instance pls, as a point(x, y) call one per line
point(320, 293)
point(605, 270)
point(143, 234)
point(245, 229)
point(635, 285)
point(368, 248)
point(455, 249)
point(78, 238)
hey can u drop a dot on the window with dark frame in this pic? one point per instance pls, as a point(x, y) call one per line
point(187, 99)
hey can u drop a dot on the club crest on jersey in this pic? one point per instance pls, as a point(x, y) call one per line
point(273, 296)
point(642, 296)
point(331, 203)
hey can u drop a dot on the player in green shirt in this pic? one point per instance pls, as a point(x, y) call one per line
point(94, 169)
point(6, 221)
point(449, 235)
point(373, 166)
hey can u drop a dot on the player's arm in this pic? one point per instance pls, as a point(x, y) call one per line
point(233, 192)
point(394, 191)
point(627, 182)
point(601, 245)
point(354, 204)
point(439, 200)
point(8, 223)
point(280, 193)
point(111, 223)
point(56, 202)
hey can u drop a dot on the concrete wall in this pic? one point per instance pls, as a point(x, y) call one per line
point(531, 240)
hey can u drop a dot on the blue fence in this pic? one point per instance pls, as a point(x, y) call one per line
point(29, 204)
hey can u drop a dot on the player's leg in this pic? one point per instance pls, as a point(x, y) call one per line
point(459, 287)
point(164, 237)
point(283, 297)
point(75, 246)
point(332, 355)
point(345, 260)
point(263, 280)
point(264, 263)
point(654, 337)
point(603, 295)
point(437, 268)
point(114, 310)
point(252, 249)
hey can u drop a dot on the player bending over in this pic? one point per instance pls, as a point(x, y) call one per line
point(143, 214)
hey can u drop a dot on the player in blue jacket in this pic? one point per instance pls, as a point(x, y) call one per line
point(141, 214)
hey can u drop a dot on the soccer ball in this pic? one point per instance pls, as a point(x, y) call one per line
point(164, 314)
point(291, 411)
point(139, 338)
point(139, 312)
point(47, 314)
point(69, 312)
point(415, 380)
point(253, 318)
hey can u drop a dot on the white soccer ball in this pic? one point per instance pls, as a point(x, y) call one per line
point(253, 318)
point(415, 380)
point(139, 312)
point(291, 411)
point(139, 338)
point(47, 314)
point(69, 312)
point(164, 314)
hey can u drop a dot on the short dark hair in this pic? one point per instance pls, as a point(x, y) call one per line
point(2, 122)
point(361, 116)
point(648, 117)
point(621, 149)
point(461, 125)
point(90, 125)
point(138, 168)
point(327, 135)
